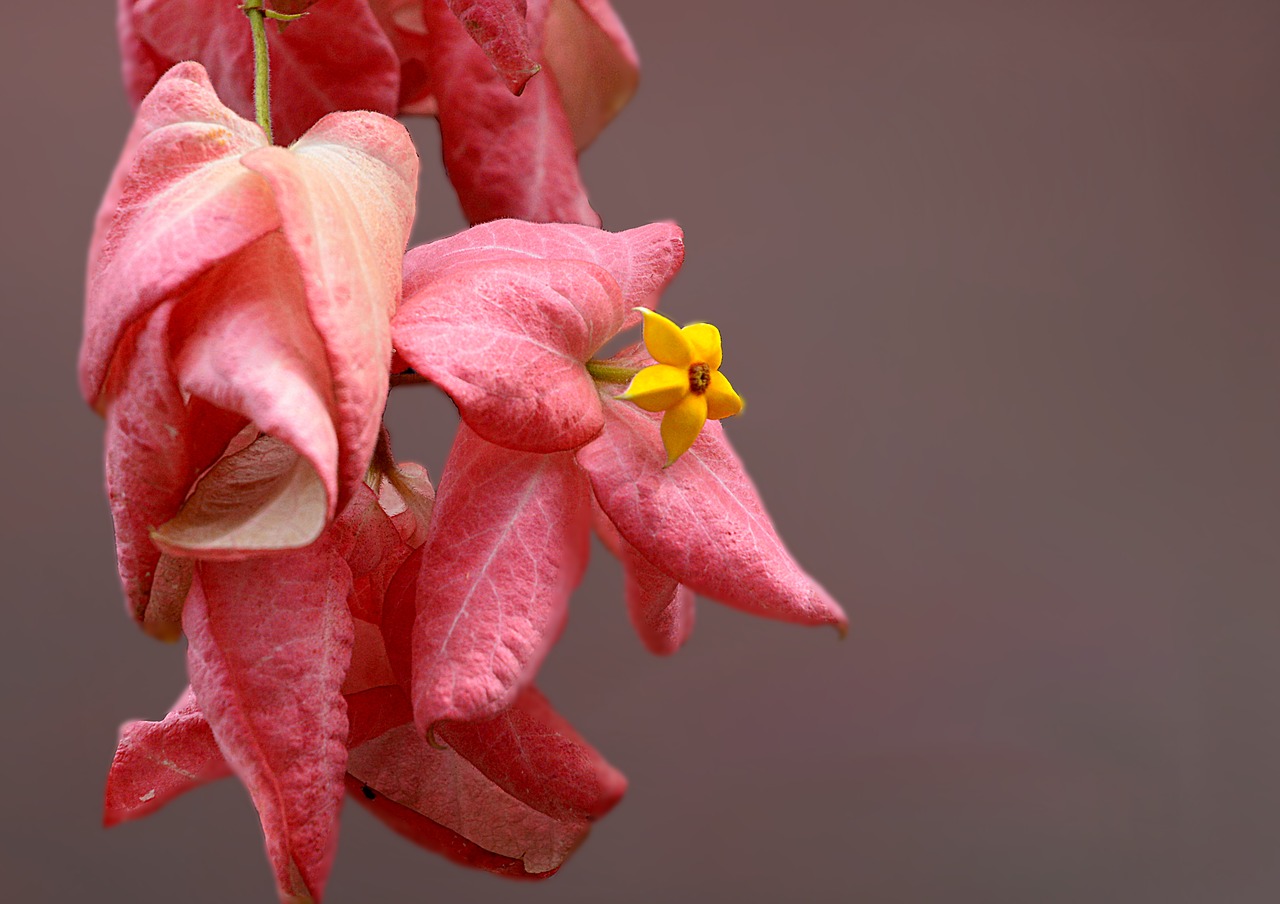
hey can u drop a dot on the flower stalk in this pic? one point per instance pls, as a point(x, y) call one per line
point(261, 65)
point(258, 16)
point(610, 373)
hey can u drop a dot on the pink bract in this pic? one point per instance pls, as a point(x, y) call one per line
point(342, 62)
point(519, 89)
point(232, 283)
point(503, 315)
point(506, 156)
point(495, 586)
point(513, 794)
point(517, 371)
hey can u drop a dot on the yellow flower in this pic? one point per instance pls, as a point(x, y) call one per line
point(686, 382)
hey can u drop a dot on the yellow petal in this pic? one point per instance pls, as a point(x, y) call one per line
point(681, 425)
point(722, 401)
point(665, 341)
point(705, 340)
point(657, 387)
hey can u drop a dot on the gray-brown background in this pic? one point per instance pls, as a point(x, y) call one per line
point(999, 281)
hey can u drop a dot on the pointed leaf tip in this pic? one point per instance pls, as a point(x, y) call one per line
point(700, 519)
point(269, 645)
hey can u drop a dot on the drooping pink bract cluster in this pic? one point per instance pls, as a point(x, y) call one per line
point(297, 662)
point(349, 629)
point(234, 283)
point(510, 140)
point(509, 337)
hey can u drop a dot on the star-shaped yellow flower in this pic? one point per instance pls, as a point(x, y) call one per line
point(686, 382)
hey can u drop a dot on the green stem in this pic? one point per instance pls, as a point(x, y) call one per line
point(261, 65)
point(610, 373)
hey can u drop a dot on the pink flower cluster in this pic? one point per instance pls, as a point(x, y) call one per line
point(351, 629)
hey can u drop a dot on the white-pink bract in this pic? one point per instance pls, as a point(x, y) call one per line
point(233, 283)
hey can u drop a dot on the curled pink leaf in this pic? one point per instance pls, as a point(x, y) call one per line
point(147, 459)
point(261, 498)
point(507, 340)
point(515, 795)
point(346, 217)
point(508, 156)
point(181, 204)
point(246, 344)
point(157, 761)
point(374, 549)
point(280, 270)
point(498, 29)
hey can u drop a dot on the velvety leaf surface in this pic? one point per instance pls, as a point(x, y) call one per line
point(660, 607)
point(148, 468)
point(441, 787)
point(346, 195)
point(157, 761)
point(535, 755)
point(642, 260)
point(348, 188)
point(337, 58)
point(506, 156)
point(588, 51)
point(507, 545)
point(507, 341)
point(499, 30)
point(183, 203)
point(264, 497)
point(270, 641)
point(700, 519)
point(244, 343)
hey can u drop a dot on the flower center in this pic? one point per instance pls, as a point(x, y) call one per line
point(699, 378)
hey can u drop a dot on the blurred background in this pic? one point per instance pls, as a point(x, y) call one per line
point(999, 281)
